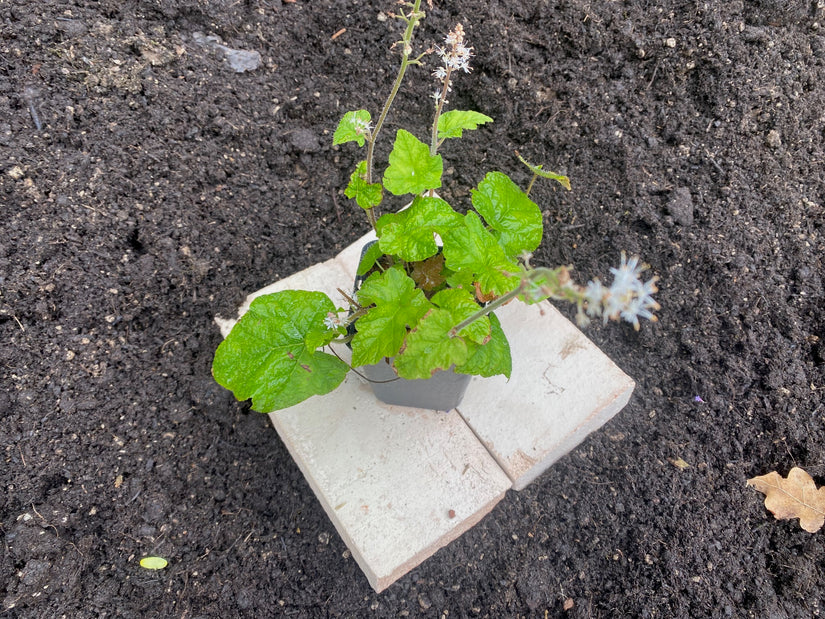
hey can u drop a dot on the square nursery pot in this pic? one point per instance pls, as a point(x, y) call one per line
point(399, 482)
point(443, 391)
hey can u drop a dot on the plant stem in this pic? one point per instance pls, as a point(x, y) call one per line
point(530, 186)
point(552, 283)
point(490, 307)
point(439, 106)
point(412, 21)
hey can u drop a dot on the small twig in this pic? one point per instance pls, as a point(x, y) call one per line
point(655, 71)
point(28, 97)
point(348, 298)
point(337, 209)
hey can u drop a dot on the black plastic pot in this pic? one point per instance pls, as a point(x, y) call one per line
point(442, 392)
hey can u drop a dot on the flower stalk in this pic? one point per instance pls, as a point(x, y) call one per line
point(628, 297)
point(412, 20)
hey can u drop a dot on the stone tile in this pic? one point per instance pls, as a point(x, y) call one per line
point(398, 483)
point(562, 389)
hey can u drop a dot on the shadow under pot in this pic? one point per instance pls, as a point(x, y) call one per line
point(443, 391)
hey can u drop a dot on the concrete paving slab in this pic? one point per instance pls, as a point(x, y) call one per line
point(562, 389)
point(398, 483)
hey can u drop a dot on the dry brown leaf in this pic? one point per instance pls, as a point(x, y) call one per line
point(794, 497)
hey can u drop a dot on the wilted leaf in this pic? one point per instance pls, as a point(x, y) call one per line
point(679, 463)
point(794, 497)
point(429, 274)
point(537, 169)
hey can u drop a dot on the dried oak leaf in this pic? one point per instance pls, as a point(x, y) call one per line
point(794, 497)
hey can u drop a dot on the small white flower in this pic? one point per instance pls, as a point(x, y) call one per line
point(626, 276)
point(455, 55)
point(332, 321)
point(362, 127)
point(629, 297)
point(594, 294)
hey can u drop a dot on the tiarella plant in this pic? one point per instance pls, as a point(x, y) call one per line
point(430, 284)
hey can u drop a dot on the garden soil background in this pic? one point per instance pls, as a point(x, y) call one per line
point(145, 186)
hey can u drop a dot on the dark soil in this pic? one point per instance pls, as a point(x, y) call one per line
point(162, 187)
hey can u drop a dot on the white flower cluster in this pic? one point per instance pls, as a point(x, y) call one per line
point(362, 127)
point(333, 321)
point(628, 297)
point(455, 56)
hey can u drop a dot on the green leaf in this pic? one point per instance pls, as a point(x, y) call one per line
point(398, 304)
point(514, 217)
point(368, 260)
point(471, 247)
point(270, 354)
point(460, 279)
point(412, 169)
point(451, 124)
point(462, 305)
point(366, 195)
point(537, 169)
point(352, 128)
point(491, 358)
point(153, 563)
point(410, 233)
point(429, 347)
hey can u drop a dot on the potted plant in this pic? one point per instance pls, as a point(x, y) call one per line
point(421, 319)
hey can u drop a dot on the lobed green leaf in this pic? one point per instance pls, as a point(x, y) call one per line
point(491, 358)
point(350, 129)
point(430, 348)
point(452, 124)
point(412, 169)
point(410, 233)
point(270, 354)
point(367, 195)
point(514, 217)
point(472, 248)
point(462, 305)
point(398, 305)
